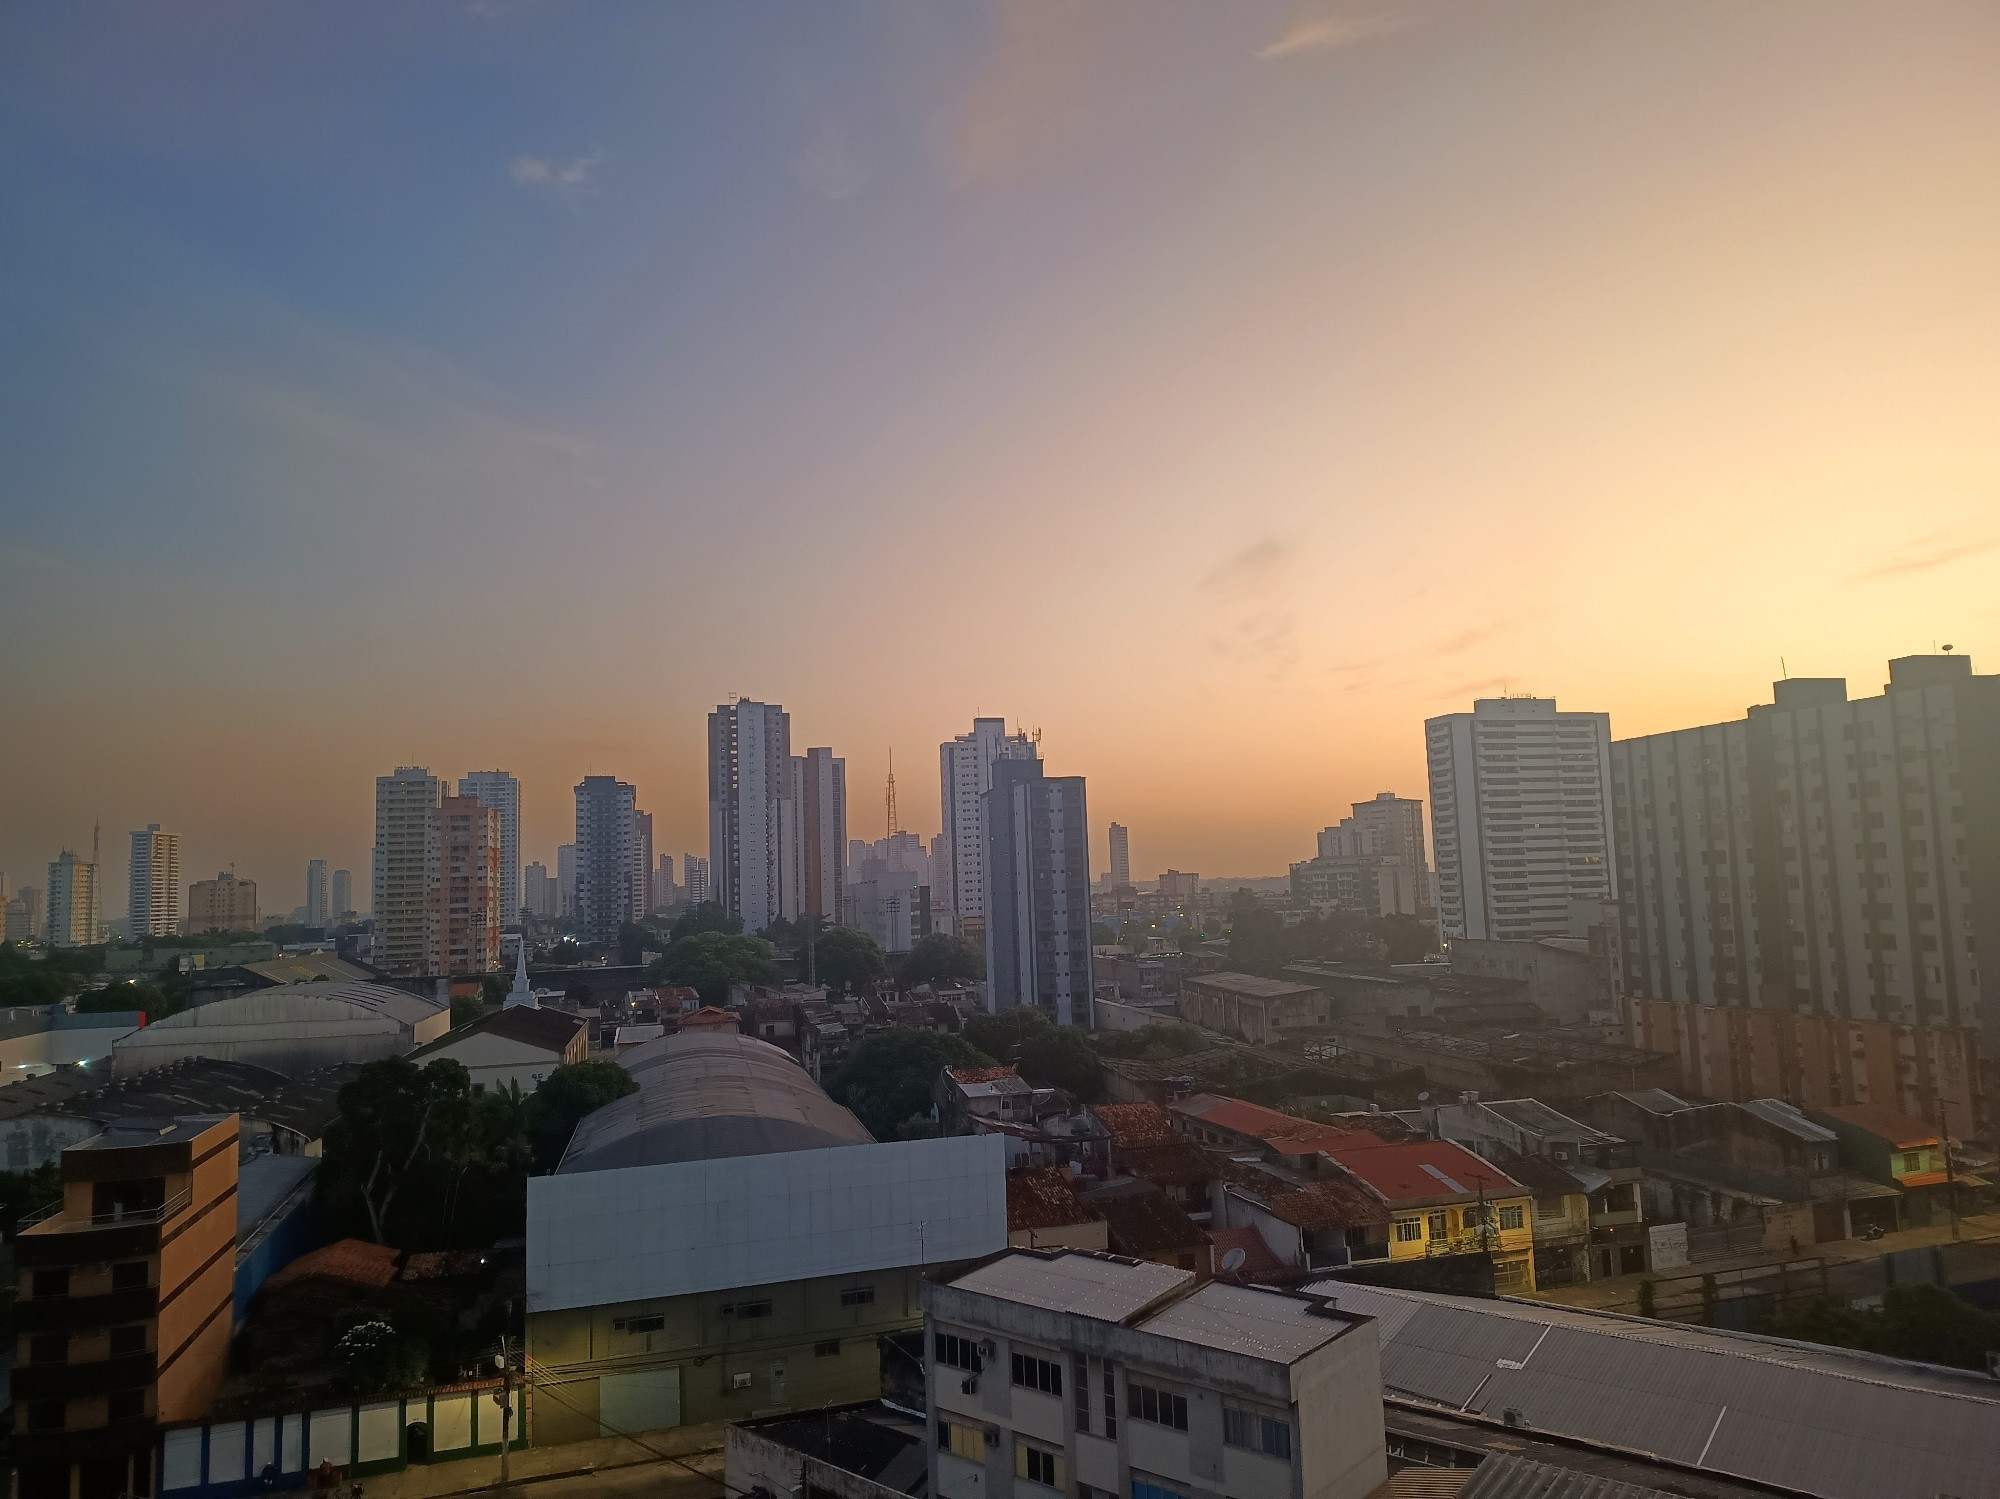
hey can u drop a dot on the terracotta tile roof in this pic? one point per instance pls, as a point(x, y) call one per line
point(354, 1261)
point(1043, 1197)
point(1422, 1171)
point(1136, 1123)
point(1178, 1163)
point(1285, 1133)
point(1901, 1130)
point(1325, 1204)
point(710, 1015)
point(1143, 1223)
point(1256, 1260)
point(979, 1074)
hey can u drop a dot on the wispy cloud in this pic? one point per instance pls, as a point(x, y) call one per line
point(1319, 29)
point(1246, 573)
point(1931, 552)
point(1255, 629)
point(562, 177)
point(827, 165)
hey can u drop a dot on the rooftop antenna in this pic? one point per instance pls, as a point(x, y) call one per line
point(1784, 671)
point(889, 796)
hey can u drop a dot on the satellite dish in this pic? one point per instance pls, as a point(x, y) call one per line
point(1423, 1098)
point(1232, 1259)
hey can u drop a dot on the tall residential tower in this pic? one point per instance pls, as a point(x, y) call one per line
point(154, 893)
point(752, 818)
point(502, 792)
point(607, 887)
point(1037, 895)
point(965, 772)
point(405, 868)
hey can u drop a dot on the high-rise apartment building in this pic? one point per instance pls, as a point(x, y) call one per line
point(824, 845)
point(343, 896)
point(223, 904)
point(154, 891)
point(1520, 815)
point(502, 792)
point(665, 891)
point(1373, 861)
point(317, 913)
point(698, 888)
point(465, 900)
point(642, 861)
point(1805, 894)
point(405, 870)
point(24, 915)
point(965, 773)
point(566, 880)
point(1121, 855)
point(538, 890)
point(752, 817)
point(607, 892)
point(74, 919)
point(1037, 895)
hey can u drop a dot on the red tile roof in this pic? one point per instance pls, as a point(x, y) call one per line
point(1043, 1197)
point(1285, 1133)
point(1178, 1163)
point(1136, 1123)
point(1256, 1259)
point(1143, 1223)
point(1901, 1130)
point(1422, 1170)
point(355, 1261)
point(979, 1074)
point(1332, 1203)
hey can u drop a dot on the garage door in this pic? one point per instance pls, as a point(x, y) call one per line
point(645, 1401)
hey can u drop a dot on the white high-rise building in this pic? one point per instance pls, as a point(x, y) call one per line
point(1520, 816)
point(965, 773)
point(663, 883)
point(1037, 905)
point(316, 909)
point(405, 868)
point(154, 899)
point(502, 792)
point(823, 817)
point(606, 873)
point(752, 817)
point(696, 868)
point(73, 913)
point(343, 895)
point(1121, 855)
point(538, 890)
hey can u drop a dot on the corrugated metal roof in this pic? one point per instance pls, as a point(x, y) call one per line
point(1085, 1285)
point(1507, 1476)
point(1821, 1420)
point(1250, 1320)
point(1776, 1111)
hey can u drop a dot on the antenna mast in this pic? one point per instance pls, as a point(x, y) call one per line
point(889, 796)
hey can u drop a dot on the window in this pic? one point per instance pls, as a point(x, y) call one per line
point(1409, 1230)
point(957, 1352)
point(1037, 1374)
point(47, 1415)
point(655, 1323)
point(1511, 1216)
point(829, 1349)
point(858, 1296)
point(49, 1348)
point(961, 1440)
point(51, 1282)
point(1037, 1464)
point(129, 1276)
point(1079, 1372)
point(1440, 1226)
point(127, 1405)
point(1256, 1432)
point(745, 1311)
point(1110, 1402)
point(126, 1340)
point(1161, 1407)
point(1152, 1488)
point(1912, 1161)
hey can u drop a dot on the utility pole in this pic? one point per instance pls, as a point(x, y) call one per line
point(505, 1397)
point(1950, 1180)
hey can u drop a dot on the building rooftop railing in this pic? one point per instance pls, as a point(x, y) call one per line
point(60, 1220)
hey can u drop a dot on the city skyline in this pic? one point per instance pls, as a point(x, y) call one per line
point(1693, 309)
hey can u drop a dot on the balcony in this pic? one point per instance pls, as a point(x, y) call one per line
point(97, 1377)
point(69, 1313)
point(58, 1219)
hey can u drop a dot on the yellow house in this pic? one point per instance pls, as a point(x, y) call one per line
point(1443, 1199)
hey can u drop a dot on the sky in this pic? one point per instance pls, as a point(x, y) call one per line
point(1219, 389)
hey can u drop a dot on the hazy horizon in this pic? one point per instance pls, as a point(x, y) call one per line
point(1222, 390)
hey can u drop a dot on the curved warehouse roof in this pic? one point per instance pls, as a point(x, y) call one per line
point(706, 1096)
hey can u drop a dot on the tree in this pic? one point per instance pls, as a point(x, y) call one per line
point(1003, 1035)
point(398, 1124)
point(941, 958)
point(560, 1103)
point(706, 917)
point(1060, 1057)
point(465, 1010)
point(1925, 1323)
point(25, 1193)
point(635, 939)
point(888, 1078)
point(130, 994)
point(845, 960)
point(709, 961)
point(1256, 936)
point(42, 981)
point(1407, 939)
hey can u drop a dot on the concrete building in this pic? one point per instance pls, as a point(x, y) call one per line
point(74, 917)
point(1373, 861)
point(24, 915)
point(153, 899)
point(823, 819)
point(502, 792)
point(317, 911)
point(223, 904)
point(699, 891)
point(665, 888)
point(518, 1046)
point(965, 774)
point(405, 869)
point(1058, 1372)
point(1257, 1009)
point(1178, 887)
point(752, 817)
point(1520, 816)
point(1037, 893)
point(1121, 855)
point(1804, 893)
point(607, 896)
point(892, 906)
point(465, 898)
point(566, 880)
point(538, 890)
point(343, 896)
point(729, 1241)
point(642, 863)
point(122, 1322)
point(291, 1028)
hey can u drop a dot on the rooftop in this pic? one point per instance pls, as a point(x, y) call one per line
point(1420, 1171)
point(1801, 1417)
point(1903, 1131)
point(1537, 1118)
point(872, 1441)
point(1775, 1111)
point(1043, 1197)
point(1143, 1223)
point(1285, 1133)
point(1242, 1251)
point(1075, 1282)
point(1129, 1124)
point(706, 1095)
point(1656, 1100)
point(530, 1025)
point(1330, 1203)
point(1249, 985)
point(353, 1262)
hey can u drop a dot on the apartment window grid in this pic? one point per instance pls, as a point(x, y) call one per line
point(1038, 1464)
point(1256, 1432)
point(1037, 1374)
point(1146, 1402)
point(955, 1352)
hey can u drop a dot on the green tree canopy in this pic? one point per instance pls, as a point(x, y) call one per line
point(845, 960)
point(708, 962)
point(130, 994)
point(1921, 1322)
point(1061, 1057)
point(1002, 1035)
point(888, 1078)
point(1154, 1042)
point(941, 958)
point(573, 1090)
point(465, 1009)
point(706, 917)
point(55, 975)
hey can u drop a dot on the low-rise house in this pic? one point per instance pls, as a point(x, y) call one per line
point(1560, 1219)
point(516, 1047)
point(1146, 1224)
point(863, 1451)
point(1256, 1009)
point(1443, 1199)
point(1145, 1144)
point(1045, 1211)
point(1887, 1145)
point(996, 1094)
point(1315, 1225)
point(1231, 1124)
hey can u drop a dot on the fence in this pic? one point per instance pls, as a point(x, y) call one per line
point(222, 1459)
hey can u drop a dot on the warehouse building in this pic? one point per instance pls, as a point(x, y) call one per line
point(292, 1028)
